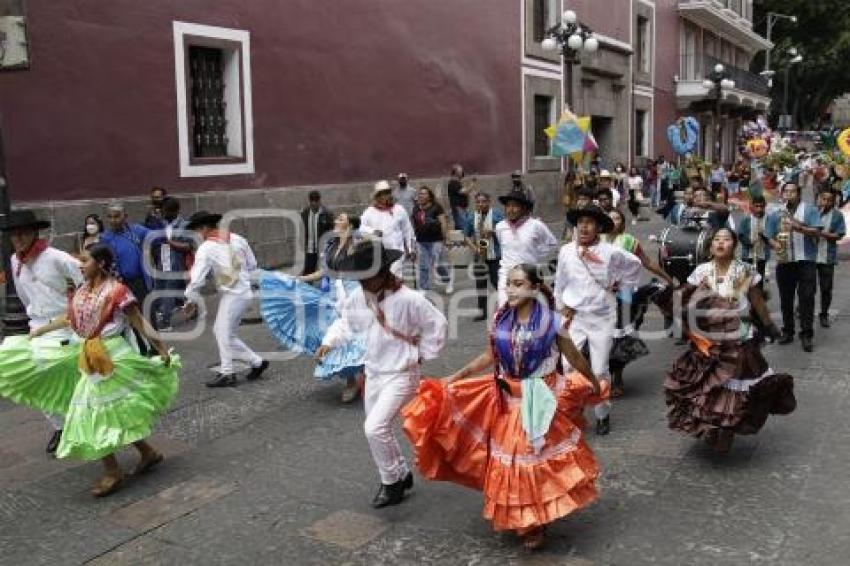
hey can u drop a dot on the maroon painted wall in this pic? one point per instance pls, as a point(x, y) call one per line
point(608, 17)
point(666, 67)
point(342, 92)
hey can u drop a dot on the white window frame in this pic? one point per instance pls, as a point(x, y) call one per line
point(245, 113)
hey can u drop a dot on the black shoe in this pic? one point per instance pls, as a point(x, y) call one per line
point(222, 380)
point(408, 481)
point(807, 343)
point(392, 494)
point(824, 320)
point(603, 426)
point(53, 443)
point(785, 339)
point(257, 372)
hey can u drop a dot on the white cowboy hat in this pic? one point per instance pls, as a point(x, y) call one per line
point(381, 187)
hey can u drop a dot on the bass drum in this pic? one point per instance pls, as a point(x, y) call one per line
point(681, 249)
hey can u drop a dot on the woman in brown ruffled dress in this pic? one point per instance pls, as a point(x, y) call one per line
point(722, 385)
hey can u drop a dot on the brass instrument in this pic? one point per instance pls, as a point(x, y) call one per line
point(483, 244)
point(784, 238)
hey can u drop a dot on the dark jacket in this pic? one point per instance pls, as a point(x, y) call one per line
point(325, 224)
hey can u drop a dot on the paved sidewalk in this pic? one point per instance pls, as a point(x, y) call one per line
point(278, 472)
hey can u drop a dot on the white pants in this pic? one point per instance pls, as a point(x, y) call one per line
point(397, 268)
point(230, 347)
point(597, 331)
point(384, 397)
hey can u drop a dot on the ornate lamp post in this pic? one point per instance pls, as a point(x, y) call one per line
point(572, 37)
point(14, 315)
point(718, 80)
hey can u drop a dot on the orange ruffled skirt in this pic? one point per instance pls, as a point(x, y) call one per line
point(470, 432)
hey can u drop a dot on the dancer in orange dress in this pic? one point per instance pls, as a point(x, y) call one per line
point(515, 435)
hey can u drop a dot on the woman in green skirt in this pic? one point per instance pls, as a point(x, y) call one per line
point(120, 393)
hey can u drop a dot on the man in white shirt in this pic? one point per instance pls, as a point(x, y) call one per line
point(402, 328)
point(391, 223)
point(231, 261)
point(404, 194)
point(589, 271)
point(523, 239)
point(42, 277)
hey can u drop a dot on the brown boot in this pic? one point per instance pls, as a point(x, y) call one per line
point(108, 484)
point(534, 539)
point(617, 387)
point(723, 443)
point(147, 462)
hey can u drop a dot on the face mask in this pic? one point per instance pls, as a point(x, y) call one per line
point(92, 229)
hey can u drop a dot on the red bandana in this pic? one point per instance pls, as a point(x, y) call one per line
point(517, 224)
point(35, 250)
point(221, 237)
point(590, 256)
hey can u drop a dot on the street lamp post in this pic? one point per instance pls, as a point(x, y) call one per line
point(14, 315)
point(718, 80)
point(797, 59)
point(772, 17)
point(572, 36)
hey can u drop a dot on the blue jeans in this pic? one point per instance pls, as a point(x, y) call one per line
point(164, 306)
point(459, 218)
point(431, 255)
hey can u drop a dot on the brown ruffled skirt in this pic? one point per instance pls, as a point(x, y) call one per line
point(700, 400)
point(470, 432)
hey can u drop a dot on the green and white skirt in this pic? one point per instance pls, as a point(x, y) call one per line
point(40, 373)
point(107, 413)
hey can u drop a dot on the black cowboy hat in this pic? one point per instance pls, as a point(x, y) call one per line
point(203, 218)
point(519, 194)
point(593, 211)
point(361, 262)
point(22, 219)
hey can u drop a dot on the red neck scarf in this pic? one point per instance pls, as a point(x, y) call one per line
point(517, 224)
point(35, 250)
point(585, 253)
point(219, 236)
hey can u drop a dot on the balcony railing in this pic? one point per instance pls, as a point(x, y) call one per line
point(695, 68)
point(744, 80)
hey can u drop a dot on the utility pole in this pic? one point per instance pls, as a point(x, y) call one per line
point(14, 314)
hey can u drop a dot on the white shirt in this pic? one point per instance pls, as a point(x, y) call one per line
point(636, 183)
point(165, 249)
point(530, 243)
point(406, 312)
point(405, 197)
point(585, 285)
point(394, 225)
point(312, 230)
point(43, 284)
point(231, 264)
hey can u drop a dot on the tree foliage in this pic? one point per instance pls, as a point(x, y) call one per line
point(822, 36)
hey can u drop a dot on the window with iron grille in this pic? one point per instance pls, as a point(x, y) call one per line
point(207, 121)
point(641, 129)
point(541, 13)
point(214, 108)
point(643, 45)
point(542, 120)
